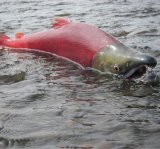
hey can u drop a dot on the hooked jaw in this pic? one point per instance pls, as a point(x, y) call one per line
point(123, 61)
point(139, 66)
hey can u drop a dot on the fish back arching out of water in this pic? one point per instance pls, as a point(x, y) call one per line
point(85, 45)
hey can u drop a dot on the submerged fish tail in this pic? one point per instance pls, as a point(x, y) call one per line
point(3, 37)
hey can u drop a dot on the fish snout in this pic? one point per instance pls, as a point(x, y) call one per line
point(139, 65)
point(148, 61)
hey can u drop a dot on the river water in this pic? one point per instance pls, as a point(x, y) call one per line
point(48, 103)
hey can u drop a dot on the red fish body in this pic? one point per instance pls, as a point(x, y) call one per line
point(78, 42)
point(85, 45)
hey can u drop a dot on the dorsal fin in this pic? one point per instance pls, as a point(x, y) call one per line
point(58, 22)
point(19, 35)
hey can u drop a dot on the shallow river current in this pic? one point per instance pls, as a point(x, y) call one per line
point(48, 103)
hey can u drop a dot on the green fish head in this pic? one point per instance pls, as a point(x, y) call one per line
point(121, 60)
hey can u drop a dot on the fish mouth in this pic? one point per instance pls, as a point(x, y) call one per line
point(140, 66)
point(137, 72)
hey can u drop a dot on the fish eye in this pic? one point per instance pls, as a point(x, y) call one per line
point(116, 68)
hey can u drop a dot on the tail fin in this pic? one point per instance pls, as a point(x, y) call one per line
point(3, 37)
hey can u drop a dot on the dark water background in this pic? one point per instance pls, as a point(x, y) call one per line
point(48, 103)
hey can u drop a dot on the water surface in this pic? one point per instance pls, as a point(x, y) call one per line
point(47, 103)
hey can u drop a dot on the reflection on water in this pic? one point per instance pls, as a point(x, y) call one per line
point(46, 102)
